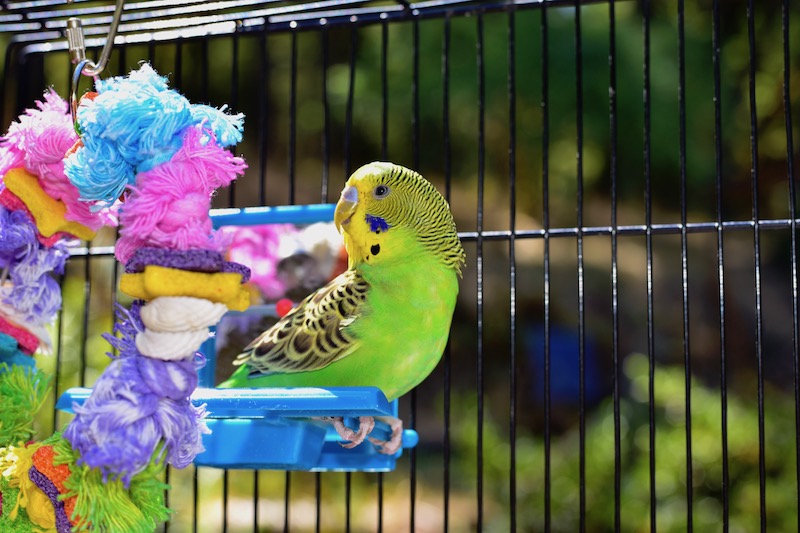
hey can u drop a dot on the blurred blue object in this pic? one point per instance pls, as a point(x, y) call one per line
point(274, 428)
point(10, 354)
point(17, 359)
point(564, 365)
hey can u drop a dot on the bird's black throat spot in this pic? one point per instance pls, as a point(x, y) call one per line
point(375, 249)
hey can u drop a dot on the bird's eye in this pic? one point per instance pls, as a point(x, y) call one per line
point(381, 191)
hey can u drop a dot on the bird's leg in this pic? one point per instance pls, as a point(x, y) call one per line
point(395, 441)
point(353, 438)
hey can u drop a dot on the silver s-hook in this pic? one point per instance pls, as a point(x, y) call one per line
point(77, 52)
point(73, 99)
point(77, 46)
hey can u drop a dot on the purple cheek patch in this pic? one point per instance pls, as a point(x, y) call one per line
point(377, 224)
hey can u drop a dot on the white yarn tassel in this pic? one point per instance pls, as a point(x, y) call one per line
point(181, 313)
point(170, 346)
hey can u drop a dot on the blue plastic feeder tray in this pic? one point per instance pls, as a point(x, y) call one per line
point(273, 428)
point(276, 428)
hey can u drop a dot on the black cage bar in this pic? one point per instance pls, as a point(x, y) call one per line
point(624, 354)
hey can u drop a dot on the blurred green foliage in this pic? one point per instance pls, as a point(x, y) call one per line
point(670, 461)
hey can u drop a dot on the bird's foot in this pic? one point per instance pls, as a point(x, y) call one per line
point(353, 438)
point(395, 441)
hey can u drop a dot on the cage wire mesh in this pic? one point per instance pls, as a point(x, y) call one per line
point(624, 354)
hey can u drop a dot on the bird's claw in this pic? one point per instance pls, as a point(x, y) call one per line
point(365, 427)
point(353, 438)
point(395, 441)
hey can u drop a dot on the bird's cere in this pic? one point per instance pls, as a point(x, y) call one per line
point(350, 194)
point(348, 202)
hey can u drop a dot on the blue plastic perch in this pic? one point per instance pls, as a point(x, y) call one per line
point(284, 214)
point(273, 428)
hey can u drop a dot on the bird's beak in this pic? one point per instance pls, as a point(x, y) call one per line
point(345, 207)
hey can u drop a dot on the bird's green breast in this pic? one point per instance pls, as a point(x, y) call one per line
point(407, 327)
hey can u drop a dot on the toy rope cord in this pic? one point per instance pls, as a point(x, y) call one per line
point(152, 169)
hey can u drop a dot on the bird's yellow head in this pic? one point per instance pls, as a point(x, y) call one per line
point(386, 209)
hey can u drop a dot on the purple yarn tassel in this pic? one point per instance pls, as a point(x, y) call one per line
point(32, 293)
point(136, 404)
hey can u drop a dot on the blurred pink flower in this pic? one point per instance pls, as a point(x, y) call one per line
point(258, 248)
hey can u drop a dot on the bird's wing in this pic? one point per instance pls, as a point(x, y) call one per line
point(313, 334)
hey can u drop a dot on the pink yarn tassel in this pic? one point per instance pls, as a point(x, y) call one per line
point(39, 141)
point(168, 207)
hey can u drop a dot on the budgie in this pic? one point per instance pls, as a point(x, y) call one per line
point(384, 322)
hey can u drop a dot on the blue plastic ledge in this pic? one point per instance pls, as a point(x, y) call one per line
point(272, 428)
point(285, 214)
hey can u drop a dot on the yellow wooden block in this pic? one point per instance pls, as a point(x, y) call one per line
point(48, 212)
point(133, 286)
point(240, 302)
point(155, 281)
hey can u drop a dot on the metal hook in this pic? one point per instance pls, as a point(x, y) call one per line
point(77, 46)
point(73, 101)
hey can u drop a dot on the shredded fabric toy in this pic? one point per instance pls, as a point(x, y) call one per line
point(40, 216)
point(37, 142)
point(166, 157)
point(149, 155)
point(136, 404)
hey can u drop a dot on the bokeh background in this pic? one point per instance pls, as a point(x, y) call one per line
point(433, 93)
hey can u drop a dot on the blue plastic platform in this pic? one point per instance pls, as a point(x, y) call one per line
point(284, 214)
point(272, 428)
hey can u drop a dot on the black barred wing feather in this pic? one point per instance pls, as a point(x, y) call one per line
point(312, 335)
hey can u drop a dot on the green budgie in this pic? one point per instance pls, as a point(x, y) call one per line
point(385, 321)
